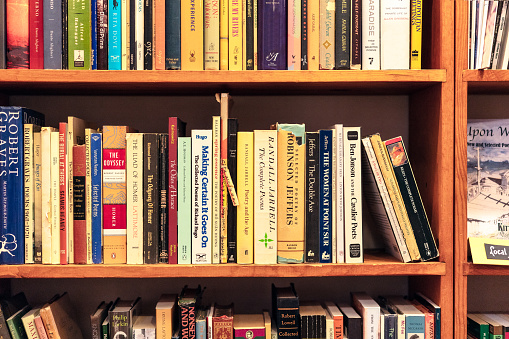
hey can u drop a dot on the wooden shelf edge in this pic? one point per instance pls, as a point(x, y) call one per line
point(470, 269)
point(486, 81)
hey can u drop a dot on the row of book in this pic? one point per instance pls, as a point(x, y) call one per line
point(488, 35)
point(487, 325)
point(213, 34)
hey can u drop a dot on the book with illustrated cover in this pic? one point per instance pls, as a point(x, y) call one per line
point(17, 34)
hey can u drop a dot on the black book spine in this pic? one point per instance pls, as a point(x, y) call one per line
point(356, 34)
point(304, 35)
point(249, 35)
point(312, 204)
point(147, 45)
point(187, 320)
point(353, 327)
point(304, 326)
point(65, 58)
point(495, 33)
point(119, 323)
point(102, 34)
point(163, 193)
point(233, 127)
point(132, 34)
point(151, 198)
point(343, 15)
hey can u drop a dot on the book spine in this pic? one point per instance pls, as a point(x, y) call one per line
point(79, 28)
point(232, 210)
point(93, 34)
point(96, 180)
point(416, 34)
point(139, 25)
point(327, 33)
point(312, 195)
point(294, 34)
point(245, 240)
point(120, 324)
point(79, 193)
point(134, 174)
point(114, 35)
point(235, 35)
point(28, 191)
point(64, 191)
point(159, 34)
point(370, 35)
point(88, 195)
point(222, 326)
point(133, 11)
point(188, 321)
point(353, 198)
point(304, 35)
point(17, 33)
point(172, 190)
point(172, 54)
point(414, 325)
point(343, 33)
point(38, 199)
point(435, 309)
point(273, 35)
point(65, 35)
point(395, 34)
point(211, 36)
point(325, 198)
point(52, 22)
point(339, 195)
point(150, 198)
point(201, 206)
point(184, 200)
point(40, 327)
point(46, 193)
point(163, 199)
point(480, 331)
point(3, 45)
point(114, 195)
point(36, 47)
point(265, 197)
point(412, 198)
point(102, 34)
point(216, 189)
point(499, 32)
point(249, 34)
point(356, 54)
point(223, 34)
point(313, 45)
point(192, 35)
point(55, 198)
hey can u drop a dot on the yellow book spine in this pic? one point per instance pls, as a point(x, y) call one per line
point(223, 34)
point(245, 180)
point(385, 164)
point(192, 35)
point(212, 34)
point(416, 34)
point(327, 40)
point(235, 35)
point(313, 35)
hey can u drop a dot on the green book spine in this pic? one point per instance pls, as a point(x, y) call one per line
point(16, 324)
point(184, 200)
point(79, 27)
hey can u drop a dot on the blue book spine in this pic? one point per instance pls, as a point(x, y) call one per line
point(12, 194)
point(114, 35)
point(172, 52)
point(414, 325)
point(93, 33)
point(273, 25)
point(52, 24)
point(325, 201)
point(96, 166)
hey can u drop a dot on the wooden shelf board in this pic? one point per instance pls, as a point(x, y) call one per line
point(472, 269)
point(14, 81)
point(373, 266)
point(487, 81)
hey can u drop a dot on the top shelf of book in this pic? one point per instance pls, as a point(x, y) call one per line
point(206, 82)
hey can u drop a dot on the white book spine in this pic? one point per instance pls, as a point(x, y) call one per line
point(201, 246)
point(489, 33)
point(340, 209)
point(55, 201)
point(134, 184)
point(481, 30)
point(370, 35)
point(140, 31)
point(184, 200)
point(370, 312)
point(211, 36)
point(353, 195)
point(333, 226)
point(401, 326)
point(29, 325)
point(210, 315)
point(265, 197)
point(504, 57)
point(501, 31)
point(46, 194)
point(28, 163)
point(395, 34)
point(216, 190)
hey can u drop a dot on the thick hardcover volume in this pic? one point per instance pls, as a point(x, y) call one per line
point(432, 307)
point(273, 34)
point(114, 35)
point(285, 310)
point(248, 34)
point(343, 33)
point(12, 120)
point(223, 34)
point(172, 43)
point(201, 206)
point(416, 34)
point(189, 302)
point(233, 127)
point(312, 321)
point(313, 45)
point(414, 319)
point(369, 309)
point(114, 194)
point(356, 34)
point(28, 191)
point(354, 252)
point(312, 197)
point(97, 318)
point(59, 318)
point(216, 189)
point(337, 318)
point(17, 35)
point(235, 35)
point(38, 198)
point(139, 26)
point(78, 199)
point(338, 196)
point(249, 326)
point(379, 203)
point(176, 129)
point(370, 34)
point(15, 323)
point(352, 321)
point(245, 214)
point(291, 192)
point(102, 34)
point(397, 201)
point(79, 28)
point(222, 321)
point(265, 197)
point(55, 197)
point(211, 34)
point(46, 194)
point(163, 199)
point(192, 35)
point(36, 35)
point(184, 200)
point(294, 34)
point(122, 318)
point(412, 198)
point(150, 198)
point(134, 158)
point(327, 33)
point(29, 323)
point(97, 220)
point(477, 327)
point(395, 34)
point(325, 195)
point(159, 34)
point(165, 316)
point(304, 35)
point(52, 22)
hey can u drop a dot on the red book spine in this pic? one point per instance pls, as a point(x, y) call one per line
point(79, 164)
point(17, 33)
point(63, 182)
point(172, 190)
point(36, 35)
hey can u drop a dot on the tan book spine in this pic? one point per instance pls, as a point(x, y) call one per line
point(313, 35)
point(46, 194)
point(55, 201)
point(245, 218)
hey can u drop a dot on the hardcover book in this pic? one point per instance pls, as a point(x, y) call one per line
point(29, 323)
point(9, 307)
point(38, 198)
point(184, 200)
point(79, 28)
point(28, 191)
point(159, 34)
point(312, 197)
point(233, 126)
point(285, 310)
point(414, 319)
point(352, 321)
point(150, 198)
point(325, 195)
point(139, 39)
point(36, 28)
point(327, 34)
point(201, 323)
point(211, 34)
point(222, 322)
point(59, 317)
point(313, 44)
point(122, 317)
point(135, 189)
point(15, 323)
point(343, 34)
point(235, 35)
point(249, 326)
point(338, 193)
point(304, 35)
point(88, 194)
point(416, 34)
point(356, 53)
point(249, 33)
point(63, 184)
point(477, 326)
point(17, 33)
point(166, 309)
point(163, 199)
point(273, 33)
point(55, 197)
point(223, 34)
point(102, 34)
point(312, 320)
point(172, 43)
point(192, 35)
point(148, 33)
point(337, 319)
point(97, 220)
point(189, 302)
point(79, 193)
point(433, 307)
point(97, 318)
point(369, 310)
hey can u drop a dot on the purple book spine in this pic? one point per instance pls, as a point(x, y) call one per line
point(273, 26)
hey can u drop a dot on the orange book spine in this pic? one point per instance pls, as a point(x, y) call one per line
point(17, 37)
point(159, 34)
